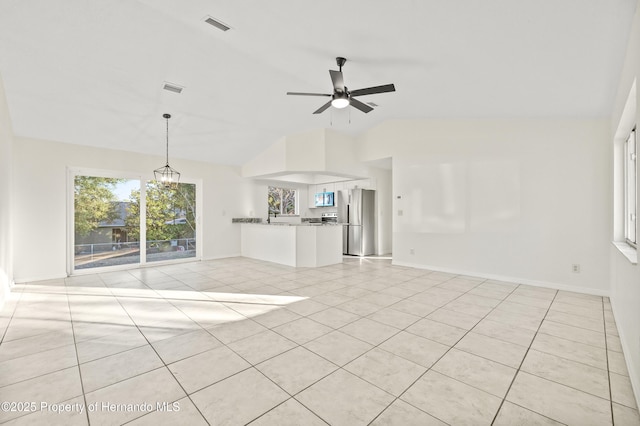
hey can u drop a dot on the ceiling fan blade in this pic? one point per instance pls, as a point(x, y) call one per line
point(374, 90)
point(307, 94)
point(361, 106)
point(338, 81)
point(322, 108)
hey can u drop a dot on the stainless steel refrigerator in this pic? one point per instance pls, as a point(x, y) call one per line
point(356, 211)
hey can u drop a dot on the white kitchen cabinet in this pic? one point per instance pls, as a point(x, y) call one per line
point(338, 186)
point(295, 245)
point(357, 184)
point(314, 189)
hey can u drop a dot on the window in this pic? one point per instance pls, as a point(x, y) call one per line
point(630, 203)
point(282, 201)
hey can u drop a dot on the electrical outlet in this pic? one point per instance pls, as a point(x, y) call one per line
point(400, 212)
point(412, 251)
point(575, 268)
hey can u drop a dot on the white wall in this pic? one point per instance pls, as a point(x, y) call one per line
point(271, 160)
point(6, 234)
point(510, 199)
point(306, 152)
point(625, 276)
point(40, 209)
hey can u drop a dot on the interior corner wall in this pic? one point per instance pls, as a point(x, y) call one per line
point(40, 201)
point(519, 200)
point(6, 228)
point(384, 208)
point(341, 154)
point(625, 276)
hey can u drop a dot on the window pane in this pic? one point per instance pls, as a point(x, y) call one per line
point(274, 199)
point(105, 224)
point(171, 221)
point(289, 201)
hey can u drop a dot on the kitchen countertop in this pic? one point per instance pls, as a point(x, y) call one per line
point(293, 224)
point(306, 221)
point(246, 220)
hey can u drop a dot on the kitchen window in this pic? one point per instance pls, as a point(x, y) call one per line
point(630, 201)
point(282, 201)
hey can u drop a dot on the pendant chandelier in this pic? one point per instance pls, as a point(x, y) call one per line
point(166, 175)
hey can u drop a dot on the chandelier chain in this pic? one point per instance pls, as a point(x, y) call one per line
point(167, 120)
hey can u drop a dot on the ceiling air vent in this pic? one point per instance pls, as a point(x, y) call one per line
point(372, 104)
point(219, 25)
point(172, 87)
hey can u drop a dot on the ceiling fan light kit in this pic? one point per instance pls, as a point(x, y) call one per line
point(340, 100)
point(341, 96)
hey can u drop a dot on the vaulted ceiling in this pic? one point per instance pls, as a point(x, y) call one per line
point(92, 72)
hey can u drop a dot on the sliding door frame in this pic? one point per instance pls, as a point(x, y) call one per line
point(72, 172)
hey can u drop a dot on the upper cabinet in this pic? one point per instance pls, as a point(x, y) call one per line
point(315, 189)
point(338, 186)
point(359, 184)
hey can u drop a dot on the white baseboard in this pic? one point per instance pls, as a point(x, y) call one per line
point(224, 256)
point(5, 292)
point(39, 278)
point(24, 280)
point(535, 283)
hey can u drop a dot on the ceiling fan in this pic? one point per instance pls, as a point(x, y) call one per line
point(343, 97)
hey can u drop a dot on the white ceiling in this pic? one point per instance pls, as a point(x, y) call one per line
point(91, 72)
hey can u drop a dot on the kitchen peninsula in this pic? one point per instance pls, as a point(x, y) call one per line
point(298, 245)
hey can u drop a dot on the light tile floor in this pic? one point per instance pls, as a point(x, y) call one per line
point(239, 341)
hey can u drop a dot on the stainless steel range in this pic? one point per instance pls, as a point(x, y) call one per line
point(329, 218)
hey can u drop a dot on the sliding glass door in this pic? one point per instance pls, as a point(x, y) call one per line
point(171, 222)
point(105, 225)
point(126, 221)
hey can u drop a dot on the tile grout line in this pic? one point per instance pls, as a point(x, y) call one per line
point(251, 365)
point(606, 353)
point(522, 362)
point(160, 297)
point(292, 396)
point(339, 367)
point(447, 351)
point(47, 350)
point(163, 363)
point(353, 285)
point(15, 308)
point(404, 329)
point(75, 346)
point(254, 366)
